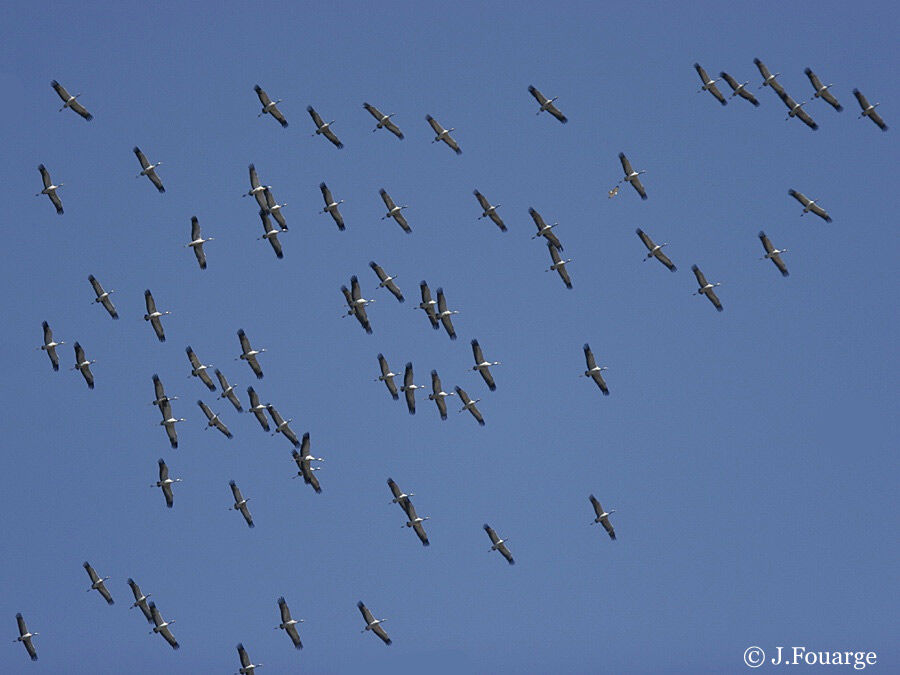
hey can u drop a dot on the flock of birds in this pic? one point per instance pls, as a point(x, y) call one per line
point(435, 308)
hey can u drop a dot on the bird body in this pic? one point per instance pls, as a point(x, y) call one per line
point(50, 189)
point(709, 84)
point(83, 365)
point(602, 517)
point(249, 354)
point(103, 297)
point(409, 388)
point(70, 101)
point(547, 104)
point(594, 371)
point(197, 241)
point(655, 250)
point(324, 128)
point(442, 134)
point(50, 345)
point(868, 110)
point(384, 121)
point(707, 288)
point(153, 315)
point(773, 254)
point(97, 583)
point(148, 169)
point(810, 205)
point(483, 366)
point(269, 107)
point(240, 504)
point(489, 210)
point(373, 624)
point(498, 544)
point(289, 624)
point(25, 637)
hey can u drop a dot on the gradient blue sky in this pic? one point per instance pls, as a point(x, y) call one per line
point(749, 453)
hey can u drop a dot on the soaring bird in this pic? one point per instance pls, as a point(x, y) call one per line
point(386, 280)
point(444, 314)
point(483, 366)
point(822, 90)
point(394, 211)
point(148, 169)
point(304, 460)
point(324, 128)
point(384, 121)
point(546, 104)
point(213, 420)
point(50, 345)
point(50, 189)
point(438, 394)
point(372, 623)
point(544, 230)
point(331, 206)
point(165, 483)
point(442, 134)
point(247, 668)
point(768, 78)
point(228, 391)
point(257, 190)
point(602, 517)
point(83, 365)
point(70, 101)
point(103, 297)
point(288, 624)
point(356, 304)
point(706, 288)
point(559, 264)
point(240, 504)
point(796, 110)
point(249, 354)
point(197, 242)
point(269, 107)
point(594, 371)
point(409, 388)
point(469, 404)
point(387, 376)
point(153, 315)
point(400, 497)
point(810, 205)
point(739, 89)
point(655, 250)
point(283, 426)
point(25, 636)
point(709, 84)
point(161, 626)
point(140, 600)
point(415, 522)
point(273, 208)
point(271, 234)
point(498, 544)
point(199, 370)
point(632, 176)
point(159, 391)
point(489, 211)
point(258, 409)
point(868, 110)
point(428, 305)
point(97, 584)
point(773, 254)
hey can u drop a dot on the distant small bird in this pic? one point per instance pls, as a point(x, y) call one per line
point(148, 169)
point(161, 626)
point(810, 205)
point(768, 78)
point(612, 193)
point(489, 211)
point(594, 371)
point(213, 420)
point(709, 84)
point(401, 498)
point(50, 189)
point(372, 623)
point(632, 176)
point(274, 209)
point(153, 315)
point(387, 281)
point(288, 624)
point(469, 404)
point(331, 206)
point(257, 189)
point(384, 121)
point(249, 354)
point(415, 522)
point(83, 365)
point(773, 254)
point(739, 89)
point(324, 128)
point(356, 304)
point(655, 251)
point(822, 90)
point(269, 107)
point(443, 134)
point(240, 504)
point(428, 305)
point(304, 460)
point(706, 288)
point(444, 314)
point(25, 636)
point(271, 234)
point(796, 110)
point(199, 370)
point(559, 264)
point(394, 211)
point(97, 584)
point(483, 366)
point(283, 426)
point(140, 600)
point(70, 101)
point(197, 242)
point(159, 391)
point(438, 394)
point(409, 388)
point(868, 110)
point(602, 517)
point(547, 104)
point(50, 345)
point(387, 376)
point(498, 544)
point(228, 391)
point(103, 297)
point(544, 230)
point(165, 483)
point(258, 409)
point(247, 668)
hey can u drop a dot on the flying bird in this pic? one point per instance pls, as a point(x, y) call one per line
point(739, 89)
point(469, 404)
point(706, 288)
point(273, 208)
point(709, 84)
point(213, 420)
point(498, 544)
point(25, 636)
point(169, 421)
point(324, 128)
point(148, 169)
point(303, 458)
point(283, 426)
point(489, 211)
point(428, 305)
point(288, 624)
point(546, 104)
point(50, 345)
point(810, 205)
point(50, 189)
point(247, 668)
point(356, 306)
point(161, 626)
point(103, 297)
point(387, 281)
point(228, 391)
point(373, 624)
point(544, 230)
point(612, 193)
point(483, 366)
point(384, 121)
point(269, 107)
point(602, 517)
point(442, 134)
point(632, 176)
point(594, 371)
point(83, 365)
point(768, 78)
point(258, 409)
point(796, 110)
point(387, 376)
point(97, 584)
point(140, 600)
point(197, 242)
point(654, 250)
point(400, 497)
point(257, 190)
point(868, 110)
point(199, 370)
point(415, 522)
point(165, 483)
point(822, 90)
point(409, 388)
point(331, 206)
point(271, 234)
point(159, 392)
point(249, 354)
point(153, 315)
point(444, 314)
point(559, 264)
point(394, 211)
point(438, 394)
point(773, 254)
point(70, 101)
point(240, 504)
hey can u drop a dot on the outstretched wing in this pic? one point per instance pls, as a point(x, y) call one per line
point(701, 278)
point(142, 158)
point(316, 118)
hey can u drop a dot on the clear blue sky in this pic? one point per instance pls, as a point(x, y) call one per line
point(751, 455)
